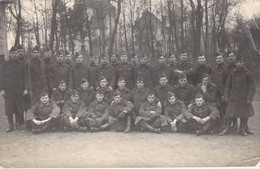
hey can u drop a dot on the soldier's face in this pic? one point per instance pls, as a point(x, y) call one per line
point(99, 97)
point(103, 83)
point(231, 57)
point(74, 98)
point(84, 86)
point(183, 82)
point(104, 60)
point(172, 99)
point(121, 84)
point(201, 60)
point(16, 54)
point(140, 84)
point(135, 59)
point(47, 54)
point(45, 99)
point(172, 59)
point(113, 57)
point(183, 56)
point(117, 98)
point(59, 58)
point(11, 56)
point(123, 58)
point(20, 52)
point(79, 59)
point(162, 60)
point(151, 98)
point(144, 60)
point(205, 80)
point(219, 59)
point(239, 64)
point(36, 53)
point(163, 81)
point(199, 101)
point(68, 57)
point(62, 86)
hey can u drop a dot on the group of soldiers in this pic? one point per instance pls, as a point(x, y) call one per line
point(172, 95)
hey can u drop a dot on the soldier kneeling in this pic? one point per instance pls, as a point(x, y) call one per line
point(149, 114)
point(119, 118)
point(74, 112)
point(43, 116)
point(201, 116)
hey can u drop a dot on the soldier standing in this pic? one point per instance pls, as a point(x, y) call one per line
point(201, 68)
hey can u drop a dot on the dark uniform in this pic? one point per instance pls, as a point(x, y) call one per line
point(161, 92)
point(106, 71)
point(41, 111)
point(185, 93)
point(125, 93)
point(126, 70)
point(210, 95)
point(87, 96)
point(188, 70)
point(200, 70)
point(108, 94)
point(60, 97)
point(144, 71)
point(117, 119)
point(79, 71)
point(158, 70)
point(139, 96)
point(93, 70)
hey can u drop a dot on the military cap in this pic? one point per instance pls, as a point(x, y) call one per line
point(151, 92)
point(117, 93)
point(198, 95)
point(99, 91)
point(162, 75)
point(36, 48)
point(218, 54)
point(43, 93)
point(140, 78)
point(121, 78)
point(170, 94)
point(58, 53)
point(182, 76)
point(74, 92)
point(62, 81)
point(84, 80)
point(102, 78)
point(203, 75)
point(76, 54)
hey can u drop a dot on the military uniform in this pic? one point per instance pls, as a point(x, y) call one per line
point(144, 71)
point(125, 93)
point(174, 74)
point(93, 70)
point(41, 111)
point(79, 71)
point(185, 94)
point(60, 71)
point(139, 96)
point(158, 70)
point(161, 92)
point(200, 70)
point(210, 95)
point(107, 72)
point(189, 71)
point(60, 97)
point(87, 96)
point(117, 118)
point(126, 70)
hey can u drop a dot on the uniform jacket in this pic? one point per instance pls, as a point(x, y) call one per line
point(80, 71)
point(43, 111)
point(185, 94)
point(126, 70)
point(188, 69)
point(144, 71)
point(108, 94)
point(174, 75)
point(73, 110)
point(139, 96)
point(217, 77)
point(230, 68)
point(157, 71)
point(199, 70)
point(203, 111)
point(211, 94)
point(93, 68)
point(175, 111)
point(147, 107)
point(106, 71)
point(60, 71)
point(117, 108)
point(125, 93)
point(60, 97)
point(87, 96)
point(98, 110)
point(161, 91)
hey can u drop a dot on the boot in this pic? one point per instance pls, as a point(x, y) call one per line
point(249, 132)
point(11, 123)
point(227, 127)
point(128, 125)
point(150, 128)
point(242, 130)
point(234, 125)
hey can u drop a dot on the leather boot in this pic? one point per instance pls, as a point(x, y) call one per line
point(249, 132)
point(128, 125)
point(242, 130)
point(227, 127)
point(150, 128)
point(10, 123)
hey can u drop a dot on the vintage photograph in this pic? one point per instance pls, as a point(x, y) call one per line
point(129, 83)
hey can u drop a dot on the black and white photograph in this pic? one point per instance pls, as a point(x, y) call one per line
point(129, 83)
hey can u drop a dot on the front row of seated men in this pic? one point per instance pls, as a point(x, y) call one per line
point(85, 109)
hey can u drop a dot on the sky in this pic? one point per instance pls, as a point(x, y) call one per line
point(248, 9)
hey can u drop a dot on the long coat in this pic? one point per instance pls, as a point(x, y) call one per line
point(144, 71)
point(126, 70)
point(77, 109)
point(239, 88)
point(97, 113)
point(161, 92)
point(87, 96)
point(93, 70)
point(60, 97)
point(60, 71)
point(217, 77)
point(106, 71)
point(139, 96)
point(188, 69)
point(199, 70)
point(175, 111)
point(157, 71)
point(80, 71)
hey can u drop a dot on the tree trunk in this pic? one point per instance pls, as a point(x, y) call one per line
point(53, 23)
point(182, 28)
point(88, 29)
point(126, 43)
point(206, 27)
point(112, 38)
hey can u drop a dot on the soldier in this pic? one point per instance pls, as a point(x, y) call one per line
point(114, 62)
point(13, 90)
point(149, 114)
point(61, 94)
point(68, 59)
point(122, 89)
point(239, 93)
point(135, 61)
point(125, 70)
point(80, 70)
point(162, 88)
point(86, 92)
point(207, 89)
point(74, 112)
point(183, 90)
point(201, 116)
point(186, 67)
point(174, 111)
point(60, 71)
point(21, 55)
point(93, 67)
point(47, 58)
point(162, 67)
point(174, 72)
point(217, 78)
point(43, 115)
point(119, 118)
point(144, 70)
point(201, 68)
point(107, 92)
point(106, 70)
point(98, 112)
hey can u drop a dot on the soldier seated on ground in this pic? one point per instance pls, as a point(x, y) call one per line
point(61, 95)
point(74, 111)
point(174, 111)
point(149, 114)
point(107, 92)
point(43, 116)
point(201, 116)
point(86, 92)
point(119, 118)
point(97, 115)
